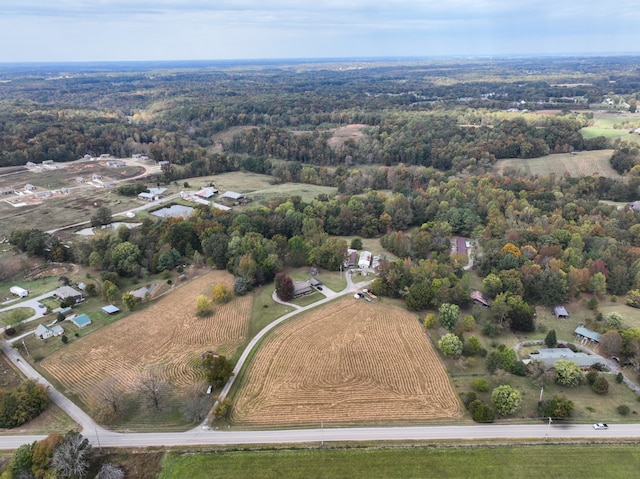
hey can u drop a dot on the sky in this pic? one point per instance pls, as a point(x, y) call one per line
point(133, 30)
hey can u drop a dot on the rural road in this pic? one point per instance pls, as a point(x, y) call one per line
point(203, 435)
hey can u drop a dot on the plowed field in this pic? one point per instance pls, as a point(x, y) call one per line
point(168, 335)
point(349, 361)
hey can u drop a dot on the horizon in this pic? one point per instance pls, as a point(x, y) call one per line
point(70, 31)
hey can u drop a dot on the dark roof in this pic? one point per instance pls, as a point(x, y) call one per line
point(560, 311)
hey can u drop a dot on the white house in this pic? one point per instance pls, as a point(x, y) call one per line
point(46, 332)
point(365, 259)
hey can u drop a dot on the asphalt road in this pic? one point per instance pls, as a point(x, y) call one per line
point(320, 435)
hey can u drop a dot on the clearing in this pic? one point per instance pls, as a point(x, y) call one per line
point(350, 361)
point(583, 163)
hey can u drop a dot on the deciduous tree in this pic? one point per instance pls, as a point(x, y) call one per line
point(449, 314)
point(568, 373)
point(506, 400)
point(450, 345)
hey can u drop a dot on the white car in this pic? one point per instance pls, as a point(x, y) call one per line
point(600, 425)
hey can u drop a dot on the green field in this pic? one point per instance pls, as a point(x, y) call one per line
point(612, 126)
point(551, 461)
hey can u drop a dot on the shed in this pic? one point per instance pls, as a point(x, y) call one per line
point(29, 187)
point(66, 312)
point(479, 298)
point(585, 334)
point(7, 191)
point(110, 309)
point(18, 291)
point(560, 312)
point(233, 195)
point(315, 282)
point(81, 320)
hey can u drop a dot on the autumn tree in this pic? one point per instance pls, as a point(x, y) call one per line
point(506, 399)
point(450, 345)
point(568, 373)
point(217, 369)
point(284, 287)
point(130, 301)
point(203, 306)
point(611, 343)
point(109, 291)
point(557, 407)
point(221, 294)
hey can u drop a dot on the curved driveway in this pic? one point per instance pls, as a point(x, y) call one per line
point(203, 435)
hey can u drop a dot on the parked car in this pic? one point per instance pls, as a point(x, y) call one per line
point(600, 425)
point(319, 288)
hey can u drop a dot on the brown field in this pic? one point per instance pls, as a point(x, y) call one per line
point(584, 163)
point(349, 361)
point(167, 335)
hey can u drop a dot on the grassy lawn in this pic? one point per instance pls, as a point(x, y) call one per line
point(543, 461)
point(264, 310)
point(16, 314)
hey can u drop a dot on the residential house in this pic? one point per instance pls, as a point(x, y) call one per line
point(45, 332)
point(301, 288)
point(549, 357)
point(64, 292)
point(365, 259)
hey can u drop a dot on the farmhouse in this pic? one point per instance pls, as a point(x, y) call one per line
point(560, 312)
point(116, 163)
point(81, 320)
point(352, 255)
point(479, 298)
point(549, 357)
point(43, 194)
point(365, 259)
point(46, 332)
point(144, 196)
point(207, 192)
point(29, 187)
point(65, 292)
point(7, 191)
point(141, 293)
point(301, 288)
point(585, 335)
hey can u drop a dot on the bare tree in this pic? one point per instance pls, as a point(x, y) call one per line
point(107, 400)
point(197, 404)
point(71, 457)
point(110, 471)
point(153, 386)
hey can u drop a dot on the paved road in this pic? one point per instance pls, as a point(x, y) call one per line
point(321, 435)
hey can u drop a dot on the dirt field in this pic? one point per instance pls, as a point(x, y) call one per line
point(167, 335)
point(584, 163)
point(347, 362)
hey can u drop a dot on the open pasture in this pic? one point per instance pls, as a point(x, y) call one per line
point(583, 163)
point(349, 361)
point(167, 336)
